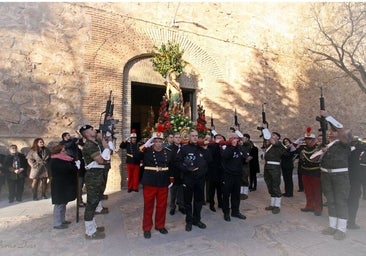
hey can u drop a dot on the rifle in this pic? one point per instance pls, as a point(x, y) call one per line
point(236, 124)
point(212, 123)
point(321, 119)
point(109, 121)
point(260, 128)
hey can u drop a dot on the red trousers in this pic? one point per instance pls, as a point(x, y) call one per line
point(313, 192)
point(152, 194)
point(133, 173)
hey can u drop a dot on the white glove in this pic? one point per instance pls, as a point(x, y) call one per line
point(149, 142)
point(223, 147)
point(111, 145)
point(77, 163)
point(106, 154)
point(214, 133)
point(240, 135)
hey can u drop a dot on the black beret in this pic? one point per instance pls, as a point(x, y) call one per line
point(84, 128)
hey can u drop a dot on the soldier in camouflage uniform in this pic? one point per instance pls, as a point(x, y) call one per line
point(335, 179)
point(96, 156)
point(272, 171)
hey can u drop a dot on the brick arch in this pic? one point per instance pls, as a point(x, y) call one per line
point(139, 69)
point(111, 53)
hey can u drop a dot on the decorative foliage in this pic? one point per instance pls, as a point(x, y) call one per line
point(201, 121)
point(168, 58)
point(179, 122)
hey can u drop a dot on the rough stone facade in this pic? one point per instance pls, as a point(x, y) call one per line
point(59, 61)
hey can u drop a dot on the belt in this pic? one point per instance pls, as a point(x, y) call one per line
point(94, 164)
point(273, 163)
point(334, 170)
point(156, 168)
point(363, 164)
point(130, 155)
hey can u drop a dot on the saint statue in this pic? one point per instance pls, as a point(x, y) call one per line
point(174, 93)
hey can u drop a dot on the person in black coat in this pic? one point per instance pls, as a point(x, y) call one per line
point(16, 170)
point(287, 166)
point(215, 173)
point(192, 160)
point(63, 184)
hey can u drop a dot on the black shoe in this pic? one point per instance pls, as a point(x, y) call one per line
point(62, 226)
point(239, 215)
point(287, 195)
point(35, 198)
point(317, 213)
point(65, 222)
point(182, 210)
point(136, 190)
point(199, 224)
point(129, 191)
point(188, 227)
point(95, 236)
point(44, 197)
point(353, 226)
point(172, 211)
point(19, 200)
point(227, 217)
point(105, 210)
point(212, 208)
point(306, 210)
point(276, 210)
point(300, 190)
point(11, 201)
point(147, 234)
point(100, 229)
point(162, 230)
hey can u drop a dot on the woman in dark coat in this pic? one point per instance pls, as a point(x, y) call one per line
point(63, 184)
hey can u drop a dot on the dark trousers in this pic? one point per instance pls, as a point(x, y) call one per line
point(252, 178)
point(94, 183)
point(16, 188)
point(354, 196)
point(193, 189)
point(231, 192)
point(287, 180)
point(215, 186)
point(272, 177)
point(336, 188)
point(176, 196)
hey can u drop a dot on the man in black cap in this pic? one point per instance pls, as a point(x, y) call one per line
point(96, 154)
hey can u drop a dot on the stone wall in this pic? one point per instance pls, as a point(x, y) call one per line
point(61, 60)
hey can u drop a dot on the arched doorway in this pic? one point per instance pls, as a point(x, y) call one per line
point(145, 96)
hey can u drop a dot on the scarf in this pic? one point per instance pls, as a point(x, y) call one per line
point(63, 157)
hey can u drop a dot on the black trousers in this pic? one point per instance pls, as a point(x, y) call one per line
point(215, 186)
point(193, 189)
point(231, 194)
point(16, 188)
point(287, 179)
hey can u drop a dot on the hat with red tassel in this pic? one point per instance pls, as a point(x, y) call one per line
point(133, 133)
point(159, 134)
point(308, 134)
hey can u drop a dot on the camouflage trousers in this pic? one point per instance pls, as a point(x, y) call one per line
point(95, 185)
point(272, 177)
point(336, 187)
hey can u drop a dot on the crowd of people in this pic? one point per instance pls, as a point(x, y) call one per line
point(215, 170)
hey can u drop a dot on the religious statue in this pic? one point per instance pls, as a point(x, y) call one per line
point(174, 93)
